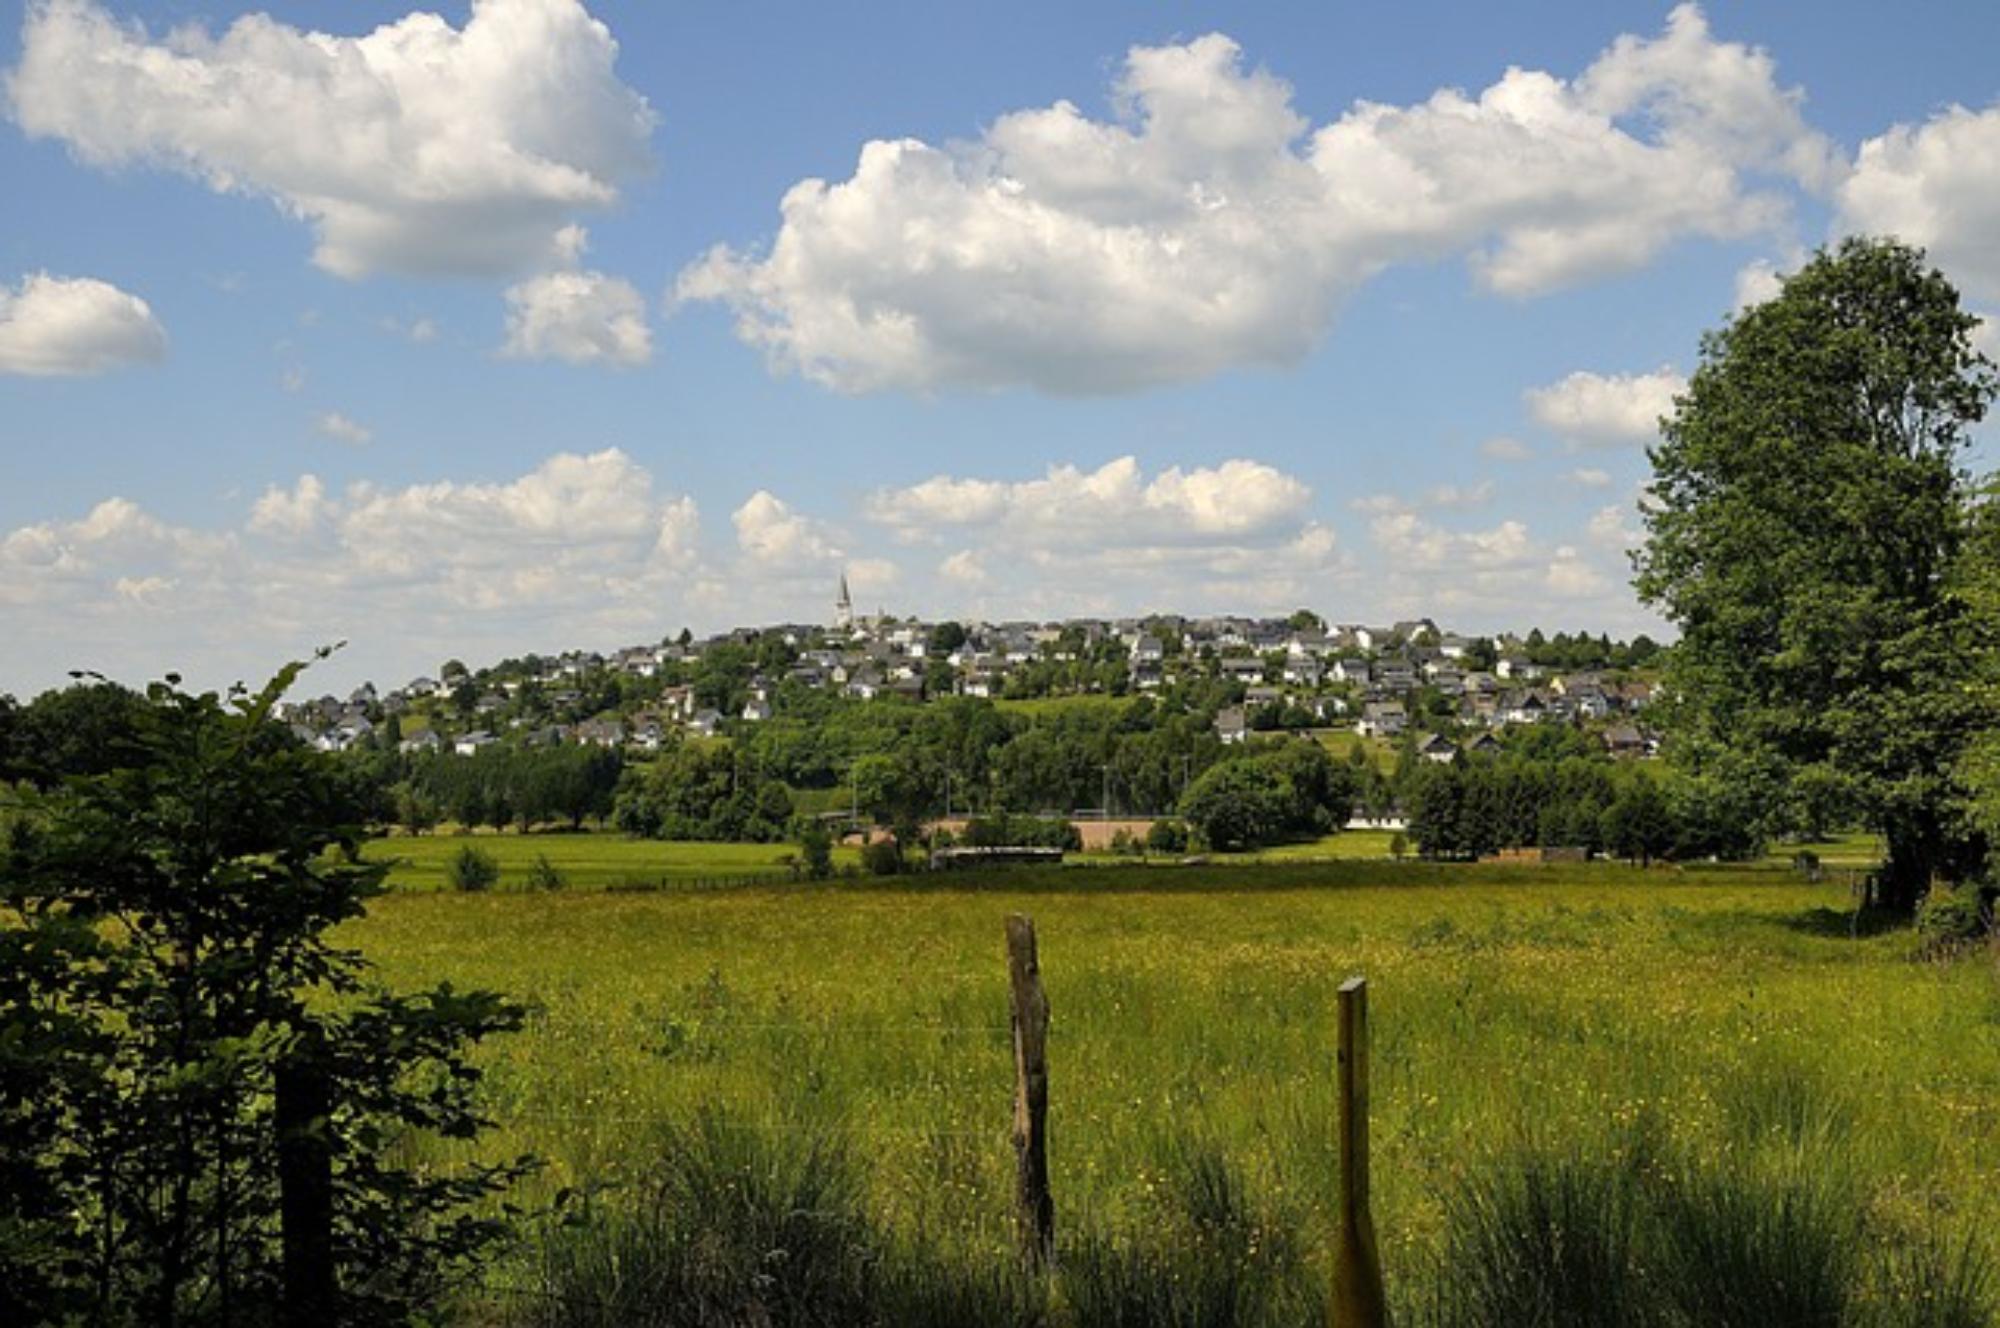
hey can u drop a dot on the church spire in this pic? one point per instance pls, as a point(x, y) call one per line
point(843, 608)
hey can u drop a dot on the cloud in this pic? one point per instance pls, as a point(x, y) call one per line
point(1600, 410)
point(774, 536)
point(1505, 449)
point(1460, 497)
point(964, 568)
point(579, 316)
point(1208, 225)
point(1235, 536)
point(419, 148)
point(341, 429)
point(1589, 477)
point(1571, 576)
point(1114, 504)
point(1986, 337)
point(418, 331)
point(1933, 185)
point(65, 326)
point(1757, 282)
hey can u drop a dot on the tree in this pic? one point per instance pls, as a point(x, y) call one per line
point(165, 968)
point(1806, 518)
point(946, 637)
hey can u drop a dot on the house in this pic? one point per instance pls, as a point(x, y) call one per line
point(468, 744)
point(1230, 725)
point(647, 734)
point(1148, 649)
point(1382, 719)
point(1395, 675)
point(757, 709)
point(426, 742)
point(1436, 747)
point(1625, 741)
point(704, 722)
point(1353, 670)
point(1263, 695)
point(1525, 707)
point(1243, 668)
point(1304, 670)
point(599, 733)
point(1483, 745)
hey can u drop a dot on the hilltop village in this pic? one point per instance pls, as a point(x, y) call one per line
point(1411, 682)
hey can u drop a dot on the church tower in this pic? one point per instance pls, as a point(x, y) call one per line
point(843, 608)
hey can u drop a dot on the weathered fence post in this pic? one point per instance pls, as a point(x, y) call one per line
point(304, 1093)
point(1035, 1210)
point(1357, 1288)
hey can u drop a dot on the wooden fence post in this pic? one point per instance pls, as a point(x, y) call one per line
point(1357, 1288)
point(304, 1093)
point(1035, 1210)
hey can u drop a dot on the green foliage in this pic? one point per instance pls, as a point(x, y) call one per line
point(472, 871)
point(545, 875)
point(1953, 916)
point(1167, 836)
point(703, 791)
point(1806, 523)
point(164, 958)
point(1004, 831)
point(816, 852)
point(882, 856)
point(1291, 790)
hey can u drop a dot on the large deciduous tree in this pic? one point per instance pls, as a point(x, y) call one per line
point(1807, 522)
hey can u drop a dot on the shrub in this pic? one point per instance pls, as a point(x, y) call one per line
point(816, 851)
point(1951, 917)
point(1167, 836)
point(1399, 846)
point(545, 875)
point(1123, 844)
point(882, 857)
point(472, 870)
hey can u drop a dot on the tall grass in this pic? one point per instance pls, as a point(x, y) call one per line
point(1550, 1240)
point(1558, 1005)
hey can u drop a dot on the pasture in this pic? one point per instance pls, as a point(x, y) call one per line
point(589, 861)
point(1730, 1022)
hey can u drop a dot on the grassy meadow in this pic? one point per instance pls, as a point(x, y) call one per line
point(589, 861)
point(1680, 1025)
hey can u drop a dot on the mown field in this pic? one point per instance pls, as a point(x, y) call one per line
point(589, 861)
point(1723, 1022)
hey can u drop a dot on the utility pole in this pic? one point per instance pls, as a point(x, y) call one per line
point(1106, 813)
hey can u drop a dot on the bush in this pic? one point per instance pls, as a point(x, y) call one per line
point(1166, 836)
point(1950, 918)
point(1005, 831)
point(816, 851)
point(545, 875)
point(882, 857)
point(1124, 845)
point(472, 871)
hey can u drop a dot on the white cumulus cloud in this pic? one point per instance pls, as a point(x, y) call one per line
point(61, 326)
point(1938, 185)
point(578, 316)
point(1603, 409)
point(1208, 224)
point(418, 148)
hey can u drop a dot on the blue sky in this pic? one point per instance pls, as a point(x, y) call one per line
point(304, 339)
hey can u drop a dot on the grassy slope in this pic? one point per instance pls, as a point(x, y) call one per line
point(1726, 1010)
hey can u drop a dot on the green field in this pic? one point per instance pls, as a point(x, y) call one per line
point(1726, 1018)
point(589, 861)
